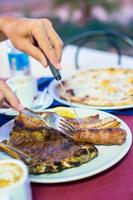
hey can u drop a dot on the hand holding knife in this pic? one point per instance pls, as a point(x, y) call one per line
point(57, 76)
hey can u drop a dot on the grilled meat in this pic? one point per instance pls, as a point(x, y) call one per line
point(95, 122)
point(109, 136)
point(27, 122)
point(103, 131)
point(49, 150)
point(46, 150)
point(52, 154)
point(85, 122)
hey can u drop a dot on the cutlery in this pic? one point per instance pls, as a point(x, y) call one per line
point(52, 120)
point(58, 77)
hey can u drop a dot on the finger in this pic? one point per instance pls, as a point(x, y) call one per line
point(33, 51)
point(10, 96)
point(55, 40)
point(45, 45)
point(1, 98)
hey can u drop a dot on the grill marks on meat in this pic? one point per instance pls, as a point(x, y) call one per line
point(110, 136)
point(30, 123)
point(98, 131)
point(54, 146)
point(51, 151)
point(95, 122)
point(53, 155)
point(23, 136)
point(94, 130)
point(85, 122)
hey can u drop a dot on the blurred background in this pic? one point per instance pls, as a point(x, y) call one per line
point(71, 17)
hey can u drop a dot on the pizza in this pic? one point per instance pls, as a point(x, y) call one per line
point(100, 87)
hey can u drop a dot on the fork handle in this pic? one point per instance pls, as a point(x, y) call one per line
point(55, 72)
point(26, 111)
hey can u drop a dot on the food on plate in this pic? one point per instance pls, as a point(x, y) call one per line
point(107, 136)
point(100, 87)
point(95, 122)
point(50, 156)
point(49, 150)
point(46, 150)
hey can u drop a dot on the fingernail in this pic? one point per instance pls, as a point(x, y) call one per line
point(20, 107)
point(58, 66)
point(43, 62)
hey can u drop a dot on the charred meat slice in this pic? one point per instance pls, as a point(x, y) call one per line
point(85, 122)
point(95, 122)
point(52, 155)
point(49, 150)
point(110, 136)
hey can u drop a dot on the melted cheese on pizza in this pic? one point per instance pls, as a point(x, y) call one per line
point(106, 86)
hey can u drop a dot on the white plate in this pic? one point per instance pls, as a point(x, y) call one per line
point(43, 101)
point(53, 91)
point(107, 155)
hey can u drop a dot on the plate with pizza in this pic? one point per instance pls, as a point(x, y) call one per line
point(100, 88)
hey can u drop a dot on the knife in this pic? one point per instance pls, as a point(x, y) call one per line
point(57, 76)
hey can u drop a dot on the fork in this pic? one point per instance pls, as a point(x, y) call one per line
point(52, 120)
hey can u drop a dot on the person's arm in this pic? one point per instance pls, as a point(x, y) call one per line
point(37, 38)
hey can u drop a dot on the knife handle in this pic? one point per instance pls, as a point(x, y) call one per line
point(55, 72)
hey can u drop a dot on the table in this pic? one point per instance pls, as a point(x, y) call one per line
point(115, 183)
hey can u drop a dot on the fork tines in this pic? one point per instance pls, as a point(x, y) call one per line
point(65, 131)
point(68, 125)
point(66, 128)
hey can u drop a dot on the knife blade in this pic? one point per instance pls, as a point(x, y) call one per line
point(57, 76)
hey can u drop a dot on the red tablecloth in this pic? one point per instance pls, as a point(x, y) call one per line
point(115, 183)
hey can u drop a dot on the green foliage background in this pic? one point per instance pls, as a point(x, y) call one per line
point(107, 4)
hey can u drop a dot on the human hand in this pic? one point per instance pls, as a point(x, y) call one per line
point(36, 37)
point(6, 94)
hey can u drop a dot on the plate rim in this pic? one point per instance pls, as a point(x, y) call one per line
point(93, 172)
point(51, 90)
